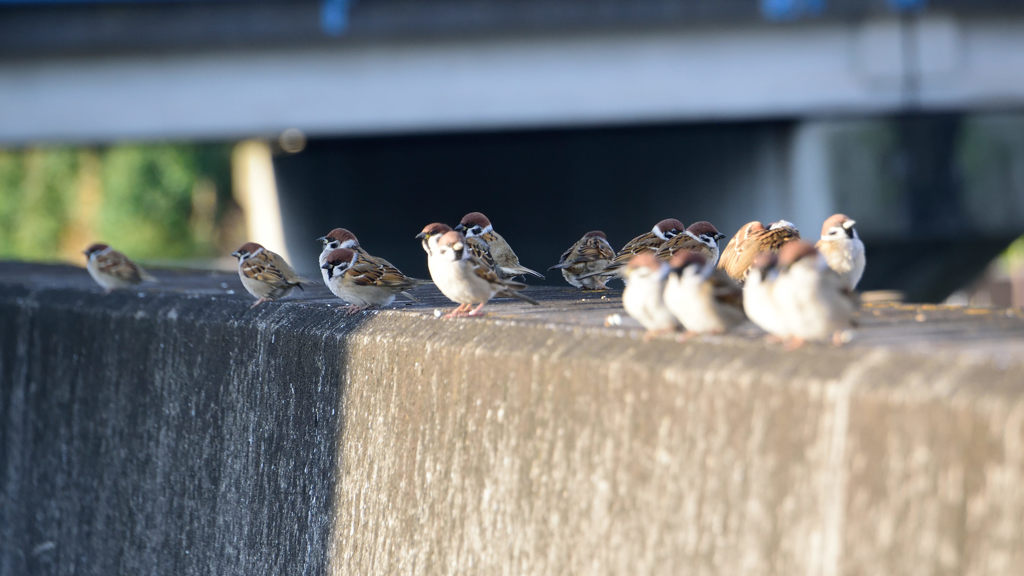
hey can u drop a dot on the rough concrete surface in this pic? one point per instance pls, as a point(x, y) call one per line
point(171, 430)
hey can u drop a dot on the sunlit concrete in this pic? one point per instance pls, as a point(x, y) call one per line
point(172, 426)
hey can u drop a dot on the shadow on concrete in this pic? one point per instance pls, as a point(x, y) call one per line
point(143, 431)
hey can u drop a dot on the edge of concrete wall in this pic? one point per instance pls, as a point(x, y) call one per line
point(184, 432)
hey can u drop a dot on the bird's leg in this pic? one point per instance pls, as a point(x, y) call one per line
point(457, 312)
point(685, 336)
point(652, 334)
point(840, 337)
point(258, 302)
point(794, 343)
point(353, 309)
point(476, 311)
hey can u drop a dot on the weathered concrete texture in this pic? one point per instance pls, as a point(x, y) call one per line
point(171, 430)
point(512, 450)
point(164, 435)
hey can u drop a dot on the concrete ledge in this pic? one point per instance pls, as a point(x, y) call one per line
point(173, 428)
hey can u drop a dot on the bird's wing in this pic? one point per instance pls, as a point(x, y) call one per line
point(379, 273)
point(725, 289)
point(263, 269)
point(595, 249)
point(758, 242)
point(642, 243)
point(118, 265)
point(729, 254)
point(680, 243)
point(285, 271)
point(480, 250)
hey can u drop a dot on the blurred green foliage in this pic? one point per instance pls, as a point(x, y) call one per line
point(150, 201)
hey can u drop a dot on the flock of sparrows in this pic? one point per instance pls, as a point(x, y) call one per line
point(676, 276)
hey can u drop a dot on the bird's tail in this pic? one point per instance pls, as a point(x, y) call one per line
point(299, 281)
point(519, 271)
point(516, 293)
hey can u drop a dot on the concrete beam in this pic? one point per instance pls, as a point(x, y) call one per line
point(173, 427)
point(518, 81)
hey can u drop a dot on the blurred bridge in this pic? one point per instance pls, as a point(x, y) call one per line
point(104, 70)
point(571, 114)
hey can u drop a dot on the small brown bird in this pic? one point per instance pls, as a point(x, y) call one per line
point(700, 237)
point(591, 253)
point(759, 295)
point(644, 298)
point(703, 298)
point(342, 238)
point(465, 279)
point(432, 232)
point(337, 238)
point(365, 283)
point(265, 274)
point(753, 239)
point(842, 249)
point(112, 269)
point(476, 225)
point(812, 302)
point(651, 241)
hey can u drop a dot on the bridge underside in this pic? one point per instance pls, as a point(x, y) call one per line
point(517, 79)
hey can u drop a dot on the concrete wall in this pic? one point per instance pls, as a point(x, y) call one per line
point(164, 436)
point(173, 431)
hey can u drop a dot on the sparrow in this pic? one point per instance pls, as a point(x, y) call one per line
point(112, 269)
point(364, 283)
point(700, 237)
point(810, 296)
point(465, 279)
point(476, 225)
point(759, 295)
point(591, 253)
point(749, 241)
point(431, 233)
point(842, 249)
point(662, 232)
point(703, 298)
point(337, 238)
point(265, 274)
point(342, 238)
point(643, 297)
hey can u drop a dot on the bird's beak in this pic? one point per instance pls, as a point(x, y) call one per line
point(326, 266)
point(849, 224)
point(236, 254)
point(421, 235)
point(719, 236)
point(460, 227)
point(321, 239)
